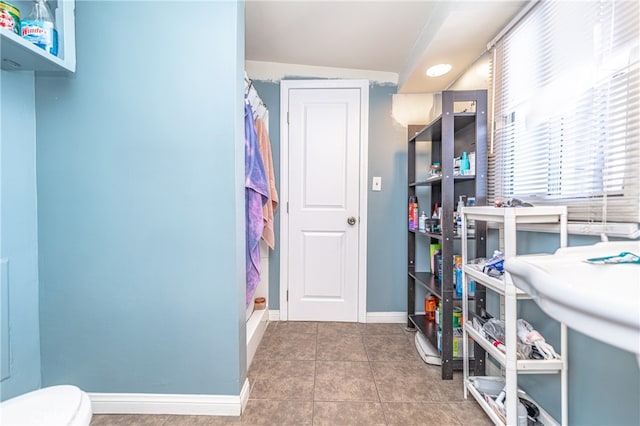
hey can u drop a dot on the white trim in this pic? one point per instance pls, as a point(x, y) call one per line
point(256, 326)
point(274, 315)
point(148, 403)
point(284, 199)
point(527, 7)
point(244, 395)
point(371, 317)
point(386, 317)
point(276, 71)
point(364, 214)
point(611, 229)
point(285, 86)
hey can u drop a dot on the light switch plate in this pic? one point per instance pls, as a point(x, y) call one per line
point(377, 183)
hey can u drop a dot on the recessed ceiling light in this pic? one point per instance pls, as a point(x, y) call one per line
point(438, 70)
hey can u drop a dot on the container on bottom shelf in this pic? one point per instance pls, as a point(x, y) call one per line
point(430, 304)
point(457, 343)
point(487, 389)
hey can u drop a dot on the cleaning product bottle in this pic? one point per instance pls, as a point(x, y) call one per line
point(422, 223)
point(413, 213)
point(39, 28)
point(459, 215)
point(464, 164)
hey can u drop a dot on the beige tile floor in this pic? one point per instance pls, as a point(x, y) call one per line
point(309, 373)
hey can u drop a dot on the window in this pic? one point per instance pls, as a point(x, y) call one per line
point(566, 115)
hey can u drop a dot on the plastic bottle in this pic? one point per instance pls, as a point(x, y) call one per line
point(430, 304)
point(39, 28)
point(412, 223)
point(460, 205)
point(464, 164)
point(422, 222)
point(458, 282)
point(522, 415)
point(458, 215)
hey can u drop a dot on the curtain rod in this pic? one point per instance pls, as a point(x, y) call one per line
point(512, 23)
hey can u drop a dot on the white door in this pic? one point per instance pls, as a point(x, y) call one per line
point(325, 140)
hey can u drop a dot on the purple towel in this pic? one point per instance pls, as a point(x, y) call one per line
point(255, 196)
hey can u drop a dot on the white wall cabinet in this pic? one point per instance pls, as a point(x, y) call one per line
point(508, 220)
point(21, 55)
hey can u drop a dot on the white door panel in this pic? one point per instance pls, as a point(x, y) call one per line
point(319, 282)
point(324, 166)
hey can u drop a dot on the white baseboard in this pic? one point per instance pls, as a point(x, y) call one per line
point(274, 315)
point(372, 317)
point(147, 403)
point(256, 326)
point(386, 317)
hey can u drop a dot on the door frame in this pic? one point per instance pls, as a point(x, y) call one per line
point(285, 86)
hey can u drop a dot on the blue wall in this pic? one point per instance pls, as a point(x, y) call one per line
point(386, 233)
point(140, 178)
point(20, 344)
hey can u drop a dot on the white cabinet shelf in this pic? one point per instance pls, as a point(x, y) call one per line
point(496, 284)
point(508, 220)
point(543, 417)
point(552, 366)
point(21, 55)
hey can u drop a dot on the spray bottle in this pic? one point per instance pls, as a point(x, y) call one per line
point(464, 164)
point(459, 214)
point(422, 222)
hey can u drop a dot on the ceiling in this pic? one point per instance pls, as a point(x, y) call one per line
point(394, 36)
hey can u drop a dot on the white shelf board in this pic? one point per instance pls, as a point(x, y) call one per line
point(19, 54)
point(546, 214)
point(544, 417)
point(495, 418)
point(496, 284)
point(537, 366)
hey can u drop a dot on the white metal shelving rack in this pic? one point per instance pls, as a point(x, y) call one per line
point(508, 220)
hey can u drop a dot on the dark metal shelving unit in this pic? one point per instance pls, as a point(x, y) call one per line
point(449, 135)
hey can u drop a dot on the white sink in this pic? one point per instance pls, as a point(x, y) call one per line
point(599, 300)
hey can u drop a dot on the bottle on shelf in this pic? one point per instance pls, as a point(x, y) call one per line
point(422, 222)
point(413, 204)
point(10, 17)
point(435, 169)
point(464, 164)
point(458, 214)
point(39, 28)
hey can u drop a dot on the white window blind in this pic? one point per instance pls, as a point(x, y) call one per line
point(566, 116)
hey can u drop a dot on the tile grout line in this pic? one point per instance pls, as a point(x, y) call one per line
point(315, 374)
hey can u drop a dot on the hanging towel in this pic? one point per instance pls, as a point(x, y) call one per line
point(271, 206)
point(256, 195)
